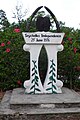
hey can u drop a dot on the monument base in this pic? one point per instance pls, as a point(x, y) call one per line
point(17, 105)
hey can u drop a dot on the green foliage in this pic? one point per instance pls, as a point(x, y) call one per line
point(14, 61)
point(3, 20)
point(42, 64)
point(69, 58)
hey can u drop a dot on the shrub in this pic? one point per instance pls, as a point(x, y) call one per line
point(69, 58)
point(14, 61)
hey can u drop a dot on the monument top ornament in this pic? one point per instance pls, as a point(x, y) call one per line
point(43, 23)
point(34, 42)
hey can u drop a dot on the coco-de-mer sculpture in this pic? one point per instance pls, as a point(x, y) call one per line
point(52, 43)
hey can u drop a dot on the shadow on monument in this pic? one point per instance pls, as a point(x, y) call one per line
point(43, 64)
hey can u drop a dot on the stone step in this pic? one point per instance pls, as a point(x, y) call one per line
point(41, 114)
point(40, 107)
point(47, 106)
point(68, 99)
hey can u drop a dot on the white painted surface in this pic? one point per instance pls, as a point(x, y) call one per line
point(33, 44)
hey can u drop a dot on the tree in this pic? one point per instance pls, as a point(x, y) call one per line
point(18, 14)
point(4, 23)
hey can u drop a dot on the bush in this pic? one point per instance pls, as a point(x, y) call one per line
point(15, 65)
point(14, 61)
point(69, 58)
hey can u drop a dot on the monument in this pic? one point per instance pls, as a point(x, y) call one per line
point(52, 43)
point(16, 105)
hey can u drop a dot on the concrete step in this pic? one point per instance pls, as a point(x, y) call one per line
point(16, 105)
point(68, 99)
point(41, 114)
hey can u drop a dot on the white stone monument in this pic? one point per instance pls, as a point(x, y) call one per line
point(52, 43)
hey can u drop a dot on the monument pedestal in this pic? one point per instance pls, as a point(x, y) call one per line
point(68, 99)
point(17, 105)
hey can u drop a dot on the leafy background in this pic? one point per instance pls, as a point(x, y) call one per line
point(14, 61)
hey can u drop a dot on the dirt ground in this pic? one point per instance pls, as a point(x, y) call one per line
point(1, 95)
